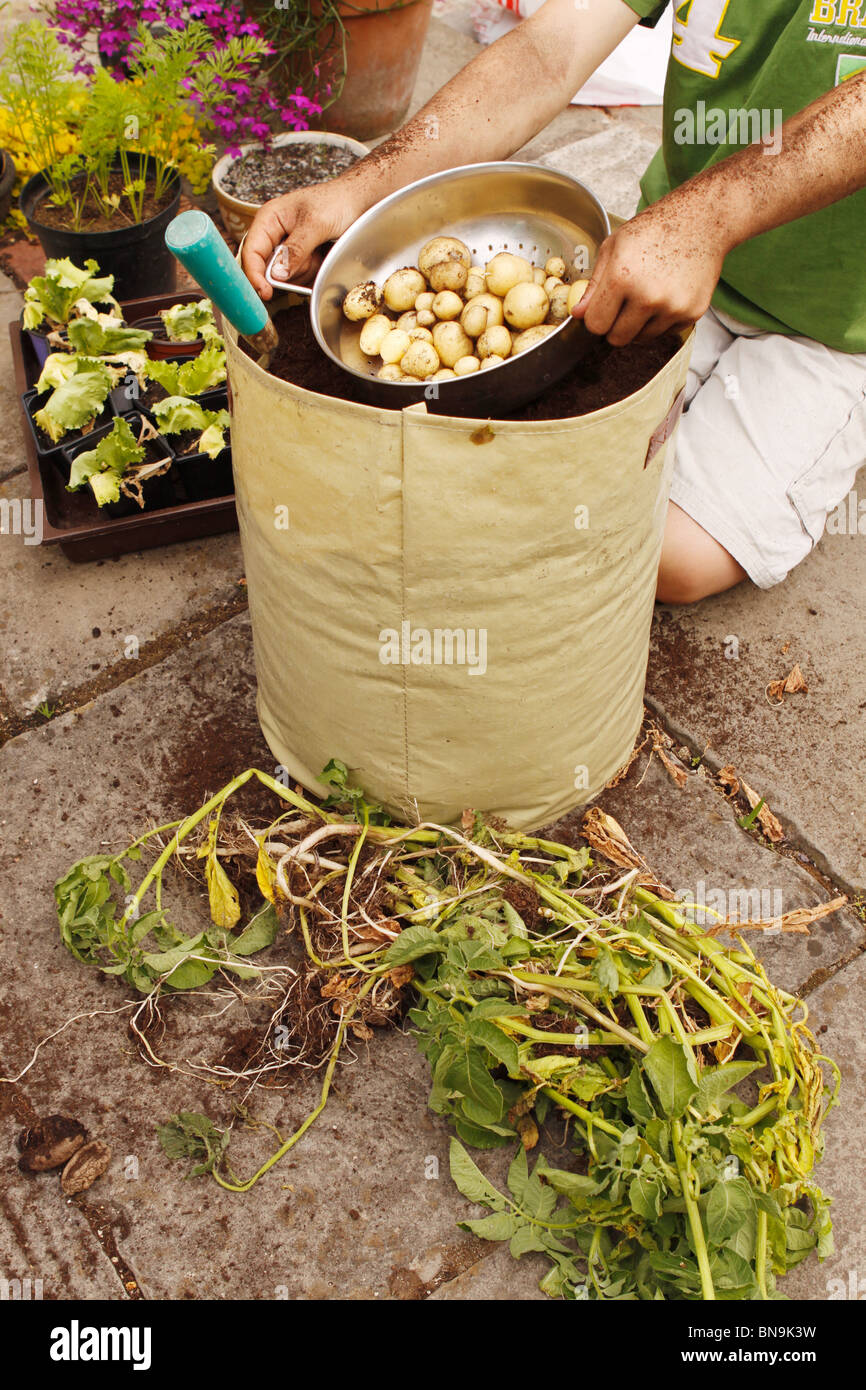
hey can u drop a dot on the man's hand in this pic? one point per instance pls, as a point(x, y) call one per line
point(302, 220)
point(655, 273)
point(659, 271)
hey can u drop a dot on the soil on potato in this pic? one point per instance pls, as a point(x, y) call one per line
point(262, 174)
point(602, 377)
point(94, 219)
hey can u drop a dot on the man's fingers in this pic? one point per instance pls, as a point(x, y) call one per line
point(630, 322)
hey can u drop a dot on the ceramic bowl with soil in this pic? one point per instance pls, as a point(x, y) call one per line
point(295, 159)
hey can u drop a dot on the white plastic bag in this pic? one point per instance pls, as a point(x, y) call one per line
point(633, 75)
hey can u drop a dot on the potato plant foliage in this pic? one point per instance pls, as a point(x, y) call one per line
point(544, 983)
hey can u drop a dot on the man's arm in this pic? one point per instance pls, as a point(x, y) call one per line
point(660, 270)
point(492, 107)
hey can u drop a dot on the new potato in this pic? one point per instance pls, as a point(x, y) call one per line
point(451, 343)
point(464, 366)
point(393, 345)
point(420, 359)
point(576, 292)
point(506, 270)
point(362, 301)
point(480, 313)
point(445, 263)
point(373, 334)
point(526, 305)
point(447, 305)
point(402, 289)
point(495, 341)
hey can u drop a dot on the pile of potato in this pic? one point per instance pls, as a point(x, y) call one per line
point(446, 317)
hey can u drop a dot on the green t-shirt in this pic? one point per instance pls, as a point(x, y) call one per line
point(736, 68)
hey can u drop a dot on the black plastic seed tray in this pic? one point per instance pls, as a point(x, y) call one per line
point(72, 519)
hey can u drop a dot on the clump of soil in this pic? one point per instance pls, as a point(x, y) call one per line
point(262, 174)
point(93, 219)
point(603, 376)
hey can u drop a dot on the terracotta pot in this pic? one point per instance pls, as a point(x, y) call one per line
point(237, 214)
point(384, 42)
point(383, 54)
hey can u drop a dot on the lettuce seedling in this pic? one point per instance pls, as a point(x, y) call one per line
point(177, 414)
point(186, 322)
point(55, 296)
point(106, 336)
point(112, 466)
point(77, 400)
point(190, 378)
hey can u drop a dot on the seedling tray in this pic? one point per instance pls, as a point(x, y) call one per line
point(70, 519)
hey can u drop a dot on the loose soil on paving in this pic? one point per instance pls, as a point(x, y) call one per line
point(93, 219)
point(603, 376)
point(264, 174)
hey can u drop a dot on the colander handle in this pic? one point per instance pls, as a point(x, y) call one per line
point(290, 284)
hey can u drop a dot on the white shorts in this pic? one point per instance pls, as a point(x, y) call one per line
point(773, 434)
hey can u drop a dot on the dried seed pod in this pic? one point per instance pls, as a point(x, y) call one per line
point(88, 1164)
point(49, 1143)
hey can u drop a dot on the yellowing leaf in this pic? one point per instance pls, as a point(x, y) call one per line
point(265, 877)
point(225, 907)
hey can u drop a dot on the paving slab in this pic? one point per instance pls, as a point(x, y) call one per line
point(709, 668)
point(365, 1207)
point(63, 624)
point(610, 162)
point(690, 837)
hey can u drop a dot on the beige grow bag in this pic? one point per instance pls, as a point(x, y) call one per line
point(458, 611)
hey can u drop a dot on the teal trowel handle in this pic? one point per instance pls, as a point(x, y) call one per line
point(194, 239)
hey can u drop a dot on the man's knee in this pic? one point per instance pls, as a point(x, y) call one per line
point(693, 564)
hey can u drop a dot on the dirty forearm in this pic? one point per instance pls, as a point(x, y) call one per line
point(499, 100)
point(820, 158)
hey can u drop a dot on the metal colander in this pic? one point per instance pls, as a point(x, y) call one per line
point(523, 208)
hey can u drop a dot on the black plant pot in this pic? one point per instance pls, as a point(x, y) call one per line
point(204, 477)
point(136, 255)
point(7, 180)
